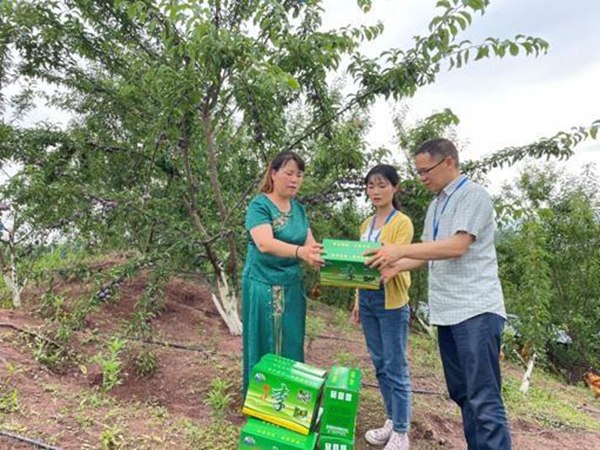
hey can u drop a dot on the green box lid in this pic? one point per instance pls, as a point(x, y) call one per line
point(311, 370)
point(343, 378)
point(288, 372)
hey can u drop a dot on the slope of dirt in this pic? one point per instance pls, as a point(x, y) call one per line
point(67, 407)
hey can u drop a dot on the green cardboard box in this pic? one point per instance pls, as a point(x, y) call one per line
point(335, 443)
point(340, 403)
point(259, 435)
point(286, 362)
point(344, 265)
point(283, 395)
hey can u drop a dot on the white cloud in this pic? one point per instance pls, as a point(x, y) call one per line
point(501, 103)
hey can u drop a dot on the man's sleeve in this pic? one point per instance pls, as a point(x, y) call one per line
point(474, 213)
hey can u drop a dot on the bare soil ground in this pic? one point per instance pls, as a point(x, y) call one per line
point(66, 406)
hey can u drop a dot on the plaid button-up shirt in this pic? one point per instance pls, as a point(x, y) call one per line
point(461, 288)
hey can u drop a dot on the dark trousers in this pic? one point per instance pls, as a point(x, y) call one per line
point(470, 353)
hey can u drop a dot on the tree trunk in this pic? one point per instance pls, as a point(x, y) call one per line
point(211, 146)
point(226, 304)
point(225, 299)
point(527, 377)
point(12, 283)
point(11, 278)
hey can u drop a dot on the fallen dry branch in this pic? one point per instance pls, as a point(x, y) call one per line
point(194, 348)
point(30, 333)
point(34, 442)
point(202, 310)
point(588, 408)
point(335, 338)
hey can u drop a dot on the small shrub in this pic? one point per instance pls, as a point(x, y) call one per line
point(145, 363)
point(9, 395)
point(112, 439)
point(48, 354)
point(140, 325)
point(52, 306)
point(218, 398)
point(111, 365)
point(341, 319)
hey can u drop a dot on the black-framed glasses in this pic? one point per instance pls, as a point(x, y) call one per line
point(422, 172)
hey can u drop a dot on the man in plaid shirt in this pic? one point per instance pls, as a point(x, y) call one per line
point(465, 296)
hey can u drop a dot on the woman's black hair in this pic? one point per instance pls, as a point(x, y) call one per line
point(388, 173)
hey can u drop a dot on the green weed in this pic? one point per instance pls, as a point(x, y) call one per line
point(215, 436)
point(218, 398)
point(48, 354)
point(112, 439)
point(145, 363)
point(52, 306)
point(111, 364)
point(9, 394)
point(550, 407)
point(341, 320)
point(346, 359)
point(9, 398)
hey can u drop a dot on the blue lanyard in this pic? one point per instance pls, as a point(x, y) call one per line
point(436, 223)
point(387, 219)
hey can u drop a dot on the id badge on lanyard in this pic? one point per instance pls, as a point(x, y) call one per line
point(436, 220)
point(375, 238)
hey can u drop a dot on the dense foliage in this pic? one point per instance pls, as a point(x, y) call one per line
point(549, 251)
point(175, 107)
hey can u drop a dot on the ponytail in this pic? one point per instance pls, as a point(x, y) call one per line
point(266, 186)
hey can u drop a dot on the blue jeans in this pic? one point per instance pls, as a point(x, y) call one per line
point(386, 334)
point(470, 353)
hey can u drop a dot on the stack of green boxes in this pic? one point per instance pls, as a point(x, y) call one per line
point(283, 406)
point(282, 402)
point(340, 408)
point(345, 265)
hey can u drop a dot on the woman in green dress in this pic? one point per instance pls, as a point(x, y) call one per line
point(279, 236)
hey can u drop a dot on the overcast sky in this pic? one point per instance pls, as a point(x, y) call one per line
point(500, 102)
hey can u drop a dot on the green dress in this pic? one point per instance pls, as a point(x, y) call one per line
point(273, 300)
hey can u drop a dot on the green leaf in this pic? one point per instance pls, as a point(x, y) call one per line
point(482, 52)
point(365, 5)
point(500, 50)
point(466, 16)
point(477, 5)
point(462, 22)
point(292, 82)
